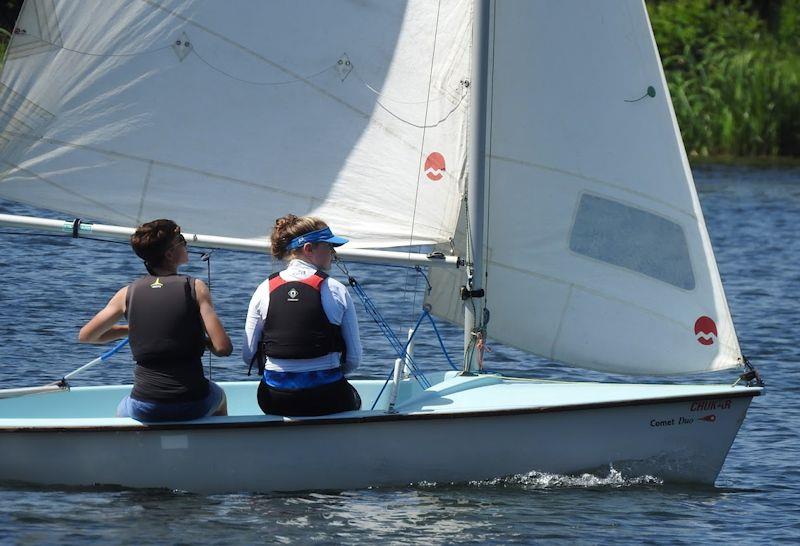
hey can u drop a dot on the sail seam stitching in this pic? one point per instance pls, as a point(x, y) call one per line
point(177, 167)
point(560, 323)
point(144, 191)
point(593, 179)
point(601, 294)
point(159, 163)
point(65, 190)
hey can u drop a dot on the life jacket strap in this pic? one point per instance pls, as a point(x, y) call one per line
point(314, 281)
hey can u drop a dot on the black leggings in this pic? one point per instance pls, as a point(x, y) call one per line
point(323, 400)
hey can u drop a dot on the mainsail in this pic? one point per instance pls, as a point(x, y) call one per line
point(597, 253)
point(226, 116)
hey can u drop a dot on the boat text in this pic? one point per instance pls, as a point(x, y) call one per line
point(708, 405)
point(671, 422)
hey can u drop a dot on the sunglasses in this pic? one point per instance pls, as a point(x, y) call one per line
point(180, 242)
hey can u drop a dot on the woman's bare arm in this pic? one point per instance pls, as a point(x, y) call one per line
point(103, 327)
point(219, 342)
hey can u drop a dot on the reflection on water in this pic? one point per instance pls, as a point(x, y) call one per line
point(51, 286)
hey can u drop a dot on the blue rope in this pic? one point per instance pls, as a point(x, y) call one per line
point(407, 358)
point(441, 341)
point(398, 347)
point(388, 378)
point(428, 286)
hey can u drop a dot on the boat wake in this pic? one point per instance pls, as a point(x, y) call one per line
point(543, 480)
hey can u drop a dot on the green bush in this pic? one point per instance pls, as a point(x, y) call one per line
point(735, 85)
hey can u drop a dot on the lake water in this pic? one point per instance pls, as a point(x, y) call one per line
point(50, 286)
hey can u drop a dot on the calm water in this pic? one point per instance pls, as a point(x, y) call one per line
point(50, 286)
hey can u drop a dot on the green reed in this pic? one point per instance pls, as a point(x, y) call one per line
point(5, 38)
point(735, 84)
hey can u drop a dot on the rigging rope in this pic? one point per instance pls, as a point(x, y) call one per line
point(22, 32)
point(206, 257)
point(192, 50)
point(401, 349)
point(422, 143)
point(377, 317)
point(425, 314)
point(408, 361)
point(398, 101)
point(253, 82)
point(227, 74)
point(418, 126)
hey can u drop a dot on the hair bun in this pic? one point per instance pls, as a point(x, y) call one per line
point(285, 221)
point(290, 226)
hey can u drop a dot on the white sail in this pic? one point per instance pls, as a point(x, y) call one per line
point(597, 252)
point(225, 116)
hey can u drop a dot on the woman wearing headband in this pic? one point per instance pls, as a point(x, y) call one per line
point(168, 316)
point(301, 326)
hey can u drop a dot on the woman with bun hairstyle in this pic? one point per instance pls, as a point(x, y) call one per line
point(302, 327)
point(169, 316)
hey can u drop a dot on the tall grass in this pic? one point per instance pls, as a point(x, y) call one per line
point(5, 38)
point(735, 85)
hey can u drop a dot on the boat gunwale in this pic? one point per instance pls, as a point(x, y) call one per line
point(750, 392)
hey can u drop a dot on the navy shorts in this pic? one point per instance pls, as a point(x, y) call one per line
point(320, 400)
point(173, 411)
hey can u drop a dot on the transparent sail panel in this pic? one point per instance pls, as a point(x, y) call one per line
point(635, 239)
point(597, 255)
point(225, 117)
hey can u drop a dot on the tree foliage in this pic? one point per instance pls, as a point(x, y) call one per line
point(9, 9)
point(734, 74)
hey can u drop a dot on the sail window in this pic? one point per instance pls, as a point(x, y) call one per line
point(632, 238)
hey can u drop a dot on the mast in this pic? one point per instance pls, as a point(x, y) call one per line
point(476, 161)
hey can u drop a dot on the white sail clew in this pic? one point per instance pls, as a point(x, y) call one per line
point(225, 117)
point(598, 255)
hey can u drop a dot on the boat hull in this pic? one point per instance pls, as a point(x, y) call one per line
point(678, 440)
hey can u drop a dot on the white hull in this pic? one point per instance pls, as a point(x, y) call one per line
point(656, 436)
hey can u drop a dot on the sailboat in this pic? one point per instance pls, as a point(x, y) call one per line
point(530, 146)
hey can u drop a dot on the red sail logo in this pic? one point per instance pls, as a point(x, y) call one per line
point(705, 330)
point(434, 166)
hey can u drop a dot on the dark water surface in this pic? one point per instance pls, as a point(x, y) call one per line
point(50, 286)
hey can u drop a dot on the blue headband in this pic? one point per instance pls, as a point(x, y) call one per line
point(324, 235)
